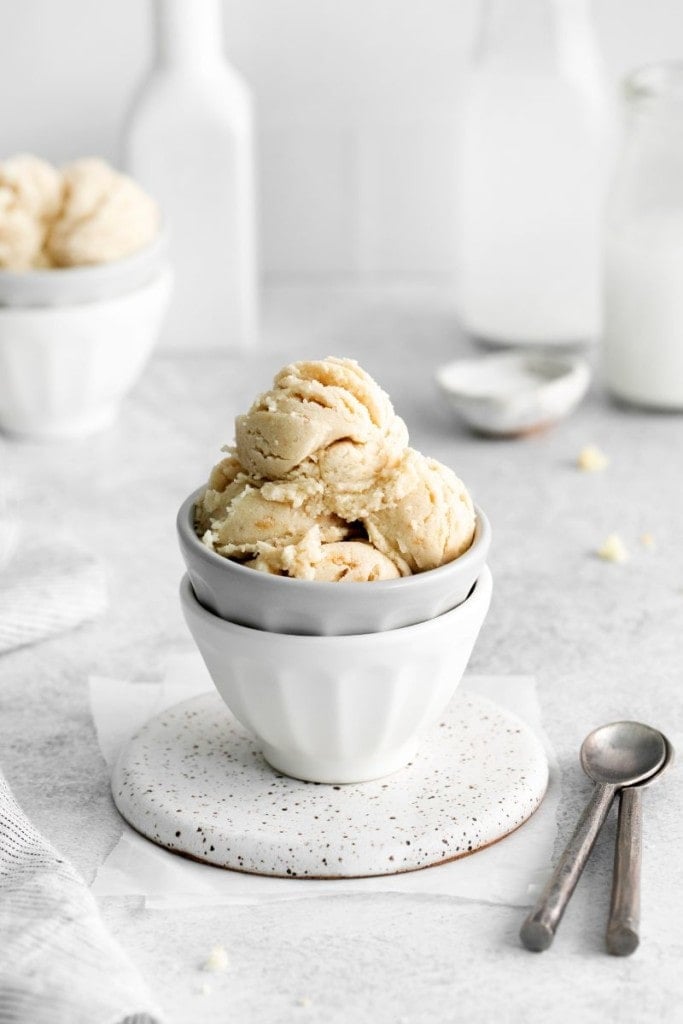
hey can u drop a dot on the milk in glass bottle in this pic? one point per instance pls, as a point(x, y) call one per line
point(534, 155)
point(643, 332)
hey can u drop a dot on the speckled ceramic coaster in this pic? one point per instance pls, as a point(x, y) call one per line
point(193, 780)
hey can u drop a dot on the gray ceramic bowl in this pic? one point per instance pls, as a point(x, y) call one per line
point(282, 605)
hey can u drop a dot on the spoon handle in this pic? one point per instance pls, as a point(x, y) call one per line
point(538, 930)
point(624, 914)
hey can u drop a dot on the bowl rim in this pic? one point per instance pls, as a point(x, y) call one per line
point(185, 527)
point(478, 598)
point(162, 276)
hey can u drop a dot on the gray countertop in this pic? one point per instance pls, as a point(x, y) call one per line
point(604, 641)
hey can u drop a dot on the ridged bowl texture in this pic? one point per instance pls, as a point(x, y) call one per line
point(339, 709)
point(65, 369)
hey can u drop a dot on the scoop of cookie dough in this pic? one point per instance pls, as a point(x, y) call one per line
point(30, 199)
point(322, 484)
point(105, 216)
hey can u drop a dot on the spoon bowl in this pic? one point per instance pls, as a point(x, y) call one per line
point(666, 763)
point(623, 753)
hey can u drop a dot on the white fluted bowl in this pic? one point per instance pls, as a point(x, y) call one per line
point(65, 369)
point(339, 709)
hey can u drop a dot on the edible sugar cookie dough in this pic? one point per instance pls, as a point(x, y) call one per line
point(84, 214)
point(322, 485)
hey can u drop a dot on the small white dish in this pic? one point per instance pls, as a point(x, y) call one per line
point(511, 393)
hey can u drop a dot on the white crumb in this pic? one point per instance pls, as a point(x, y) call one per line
point(591, 460)
point(613, 549)
point(217, 961)
point(205, 989)
point(647, 540)
point(305, 1002)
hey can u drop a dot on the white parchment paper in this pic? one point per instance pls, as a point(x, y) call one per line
point(510, 872)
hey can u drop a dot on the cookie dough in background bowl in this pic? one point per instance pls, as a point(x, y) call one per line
point(84, 286)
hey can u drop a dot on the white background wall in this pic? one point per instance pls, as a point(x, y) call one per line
point(356, 101)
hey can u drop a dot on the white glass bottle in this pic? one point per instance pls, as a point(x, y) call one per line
point(533, 163)
point(188, 140)
point(643, 312)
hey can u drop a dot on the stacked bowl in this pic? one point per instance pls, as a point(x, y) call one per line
point(337, 681)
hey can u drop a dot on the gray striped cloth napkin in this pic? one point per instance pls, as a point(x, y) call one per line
point(44, 589)
point(58, 962)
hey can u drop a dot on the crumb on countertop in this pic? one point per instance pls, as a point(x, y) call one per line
point(613, 549)
point(591, 459)
point(305, 1002)
point(647, 540)
point(217, 961)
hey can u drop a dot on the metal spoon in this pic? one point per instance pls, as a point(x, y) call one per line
point(624, 915)
point(614, 756)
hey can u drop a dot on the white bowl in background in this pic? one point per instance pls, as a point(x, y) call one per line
point(339, 709)
point(510, 393)
point(64, 369)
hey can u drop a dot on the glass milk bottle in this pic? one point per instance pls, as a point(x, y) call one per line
point(533, 162)
point(643, 299)
point(188, 141)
